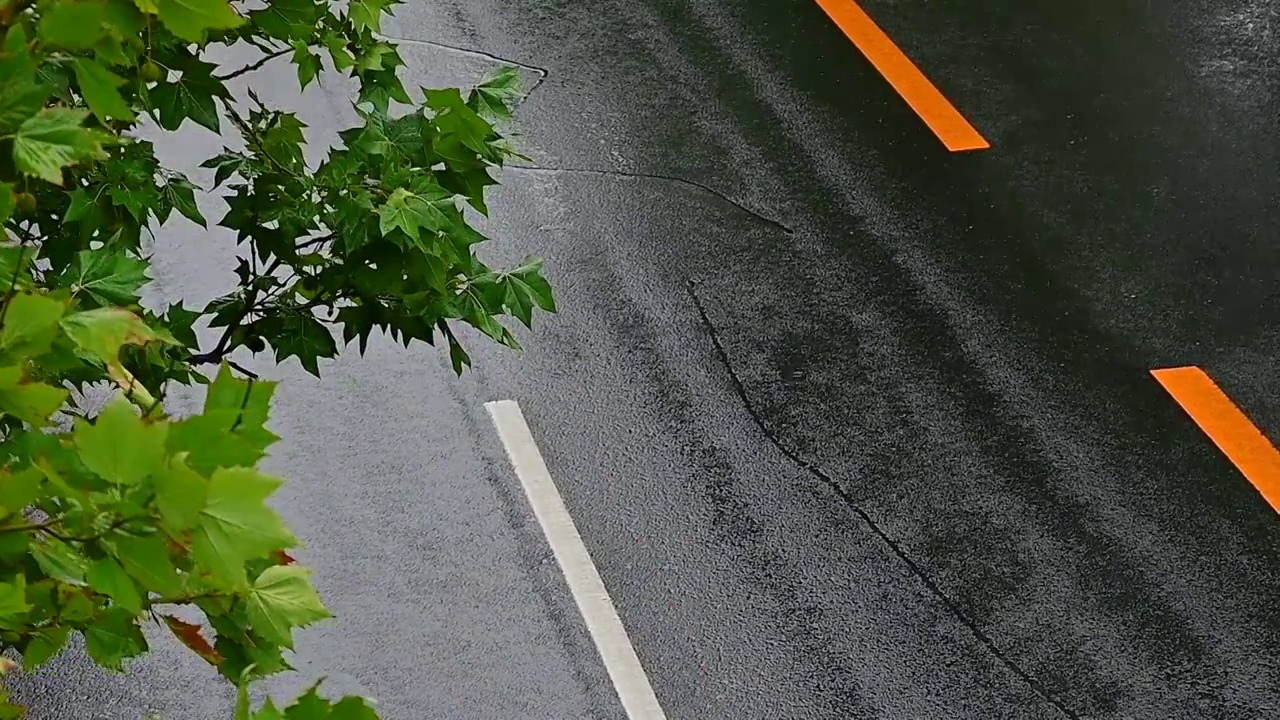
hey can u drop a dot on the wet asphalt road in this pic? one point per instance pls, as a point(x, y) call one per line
point(852, 426)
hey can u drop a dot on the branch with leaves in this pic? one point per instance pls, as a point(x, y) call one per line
point(109, 516)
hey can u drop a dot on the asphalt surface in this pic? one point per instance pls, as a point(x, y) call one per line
point(853, 427)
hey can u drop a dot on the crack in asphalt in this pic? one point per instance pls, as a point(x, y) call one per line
point(848, 499)
point(542, 72)
point(706, 189)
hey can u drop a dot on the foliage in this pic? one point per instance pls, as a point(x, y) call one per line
point(115, 516)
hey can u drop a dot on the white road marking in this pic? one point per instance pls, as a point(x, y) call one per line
point(597, 609)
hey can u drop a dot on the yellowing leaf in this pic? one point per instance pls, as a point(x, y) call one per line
point(282, 599)
point(101, 332)
point(119, 446)
point(189, 19)
point(190, 636)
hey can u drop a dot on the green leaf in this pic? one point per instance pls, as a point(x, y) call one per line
point(82, 206)
point(210, 442)
point(251, 399)
point(13, 602)
point(268, 711)
point(180, 193)
point(236, 524)
point(98, 85)
point(7, 201)
point(352, 708)
point(21, 96)
point(30, 325)
point(72, 25)
point(109, 578)
point(458, 123)
point(19, 489)
point(309, 705)
point(14, 546)
point(124, 18)
point(287, 20)
point(109, 276)
point(191, 96)
point(103, 331)
point(304, 337)
point(227, 164)
point(410, 212)
point(495, 97)
point(458, 356)
point(29, 401)
point(54, 139)
point(181, 493)
point(114, 637)
point(190, 19)
point(367, 14)
point(119, 446)
point(44, 645)
point(308, 63)
point(282, 599)
point(77, 609)
point(337, 46)
point(146, 559)
point(59, 560)
point(20, 99)
point(532, 285)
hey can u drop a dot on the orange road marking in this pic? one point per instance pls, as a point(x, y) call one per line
point(1227, 426)
point(946, 122)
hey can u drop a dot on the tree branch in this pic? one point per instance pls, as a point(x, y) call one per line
point(255, 66)
point(223, 347)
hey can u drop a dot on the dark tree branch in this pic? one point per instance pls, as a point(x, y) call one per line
point(255, 66)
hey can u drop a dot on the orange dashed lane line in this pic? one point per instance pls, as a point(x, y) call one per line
point(1228, 428)
point(941, 116)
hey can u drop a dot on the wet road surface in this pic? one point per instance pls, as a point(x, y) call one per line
point(852, 426)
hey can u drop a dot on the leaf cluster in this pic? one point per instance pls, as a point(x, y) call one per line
point(118, 515)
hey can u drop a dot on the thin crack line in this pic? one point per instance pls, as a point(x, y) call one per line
point(542, 72)
point(666, 178)
point(844, 495)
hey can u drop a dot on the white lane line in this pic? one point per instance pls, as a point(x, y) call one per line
point(629, 678)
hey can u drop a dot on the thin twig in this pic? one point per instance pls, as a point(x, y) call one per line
point(255, 66)
point(252, 375)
